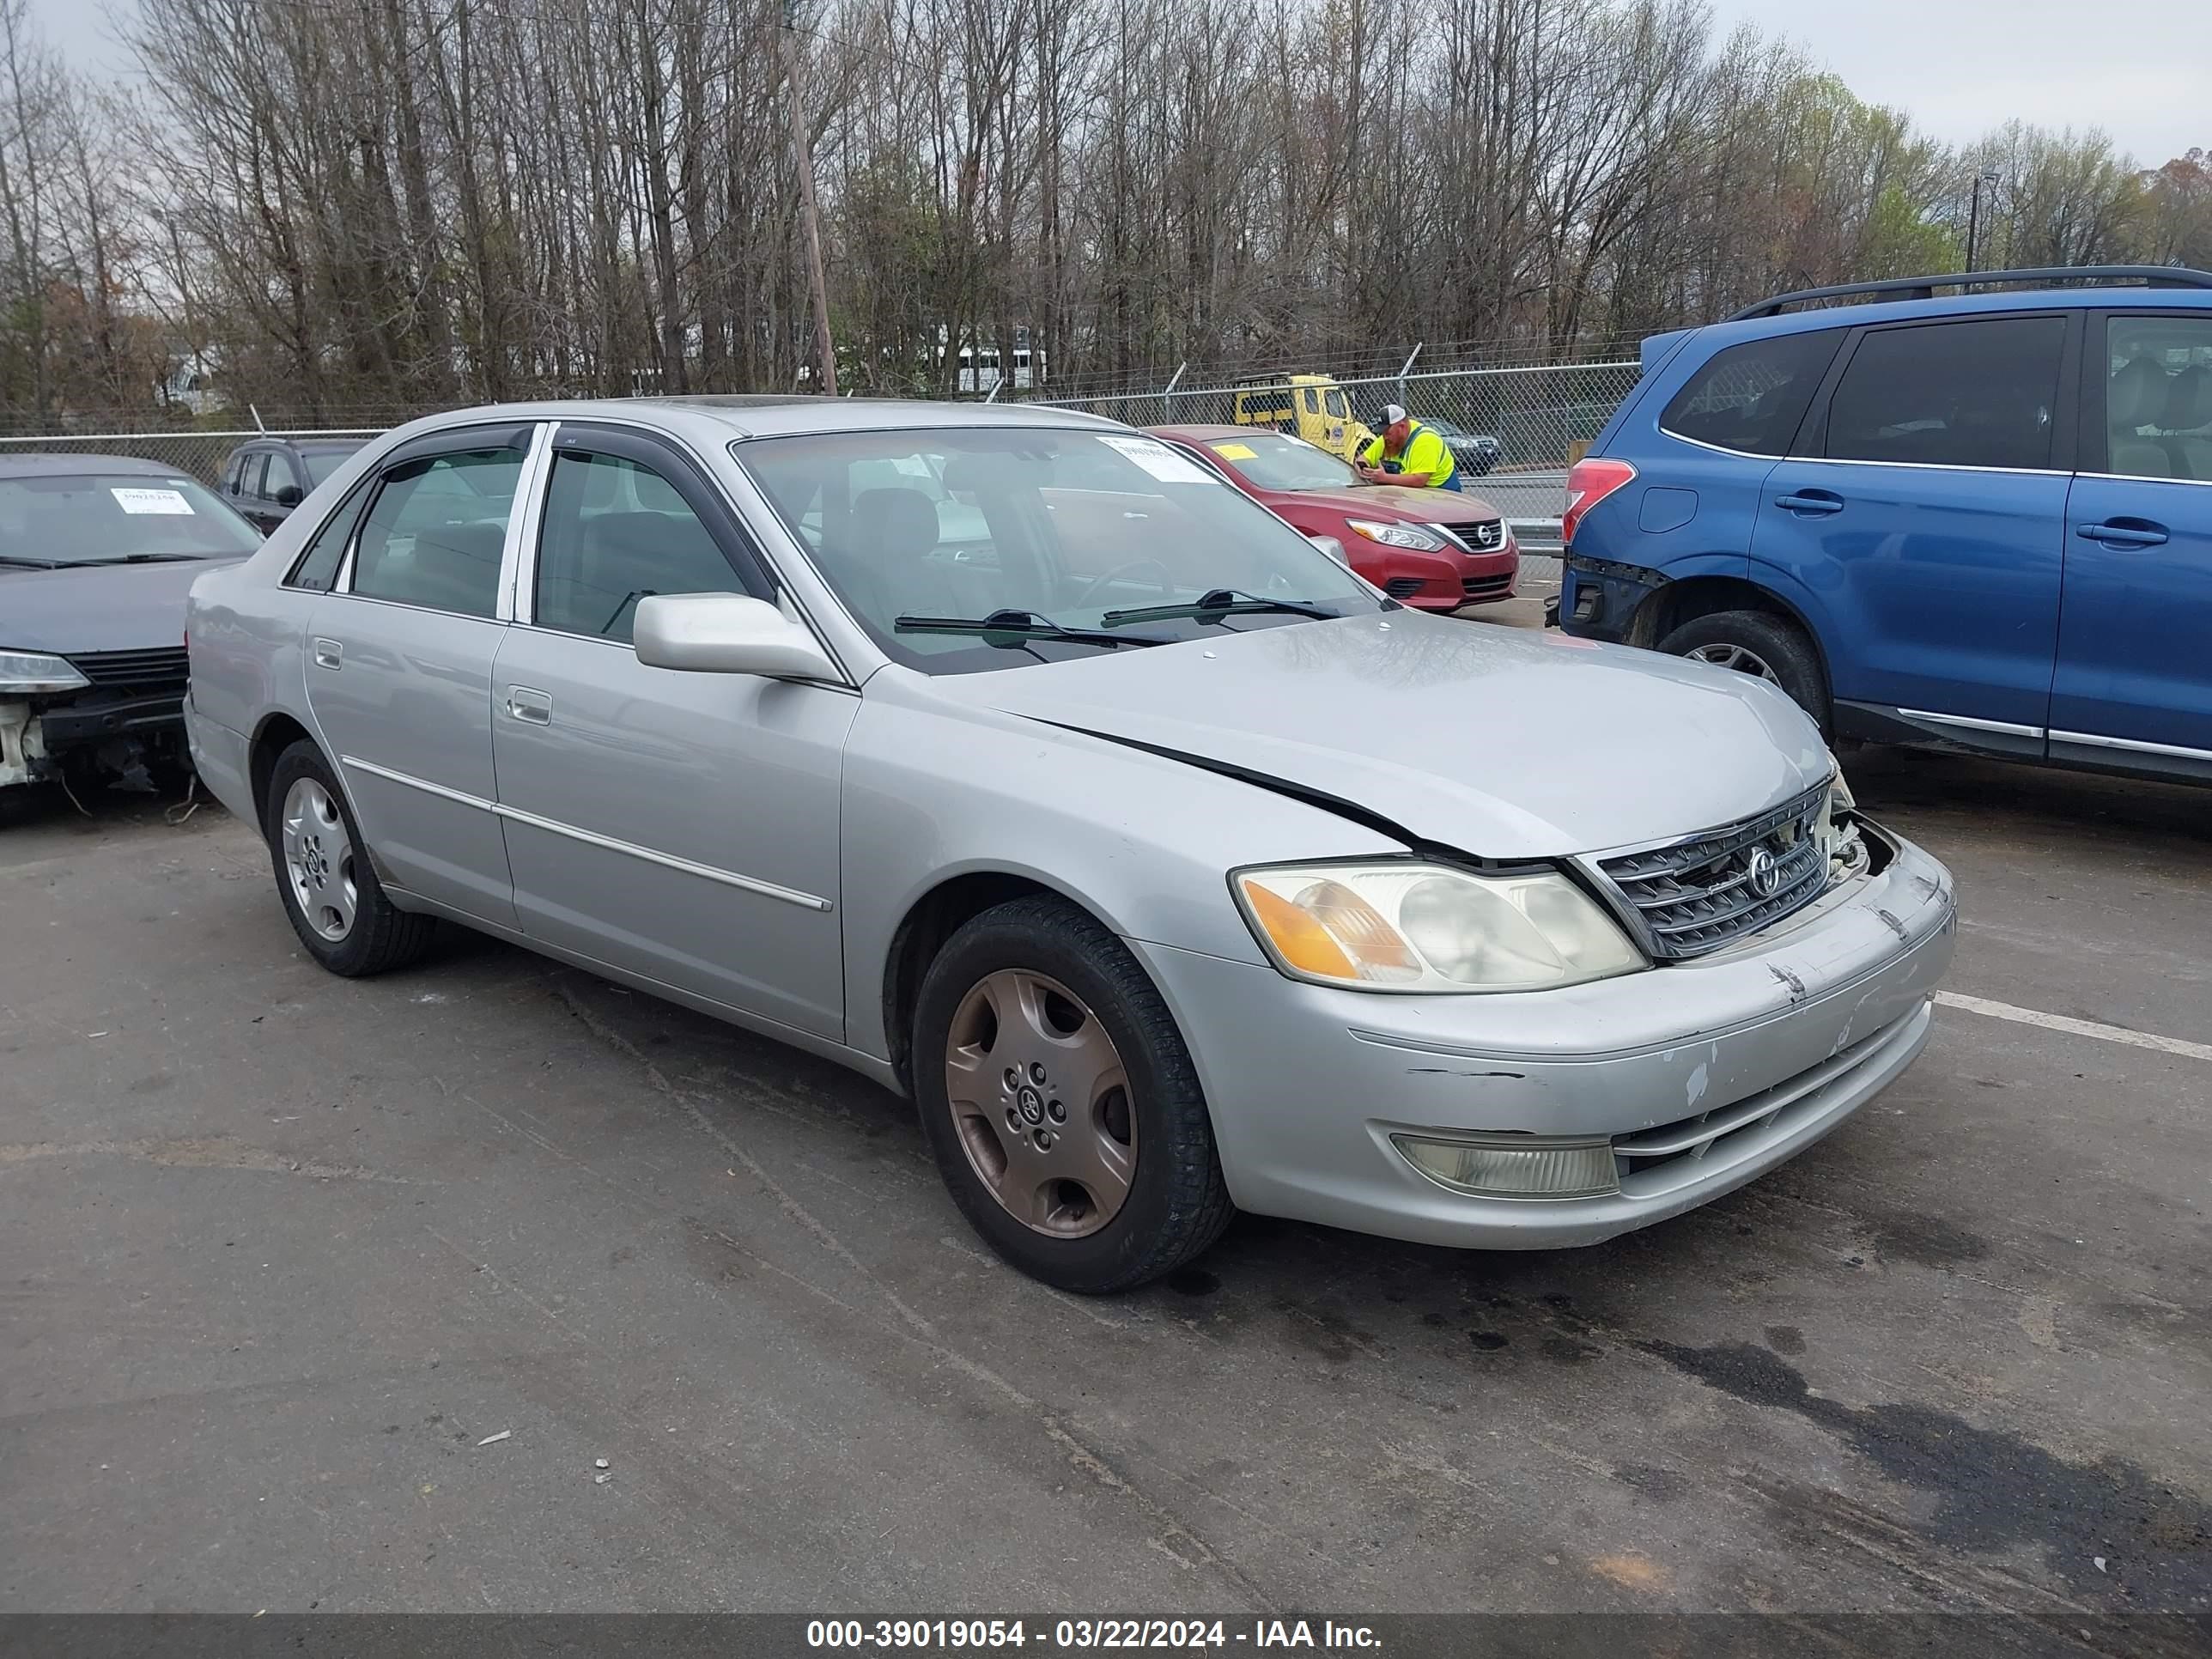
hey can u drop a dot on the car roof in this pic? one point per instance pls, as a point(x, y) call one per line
point(73, 464)
point(1206, 434)
point(1956, 305)
point(720, 418)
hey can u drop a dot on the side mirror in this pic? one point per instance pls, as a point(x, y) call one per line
point(726, 634)
point(1333, 548)
point(288, 495)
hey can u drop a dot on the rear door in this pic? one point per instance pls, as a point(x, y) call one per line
point(399, 663)
point(1923, 514)
point(2134, 681)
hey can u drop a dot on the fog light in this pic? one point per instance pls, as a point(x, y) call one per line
point(1514, 1166)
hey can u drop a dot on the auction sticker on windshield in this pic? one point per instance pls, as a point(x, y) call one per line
point(167, 502)
point(1159, 460)
point(1236, 452)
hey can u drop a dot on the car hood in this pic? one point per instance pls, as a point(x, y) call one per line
point(1391, 504)
point(100, 607)
point(1498, 742)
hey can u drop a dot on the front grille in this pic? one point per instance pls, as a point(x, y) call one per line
point(1487, 587)
point(1480, 536)
point(164, 669)
point(1699, 895)
point(1404, 587)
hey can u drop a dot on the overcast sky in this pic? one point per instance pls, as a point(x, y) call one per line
point(2143, 71)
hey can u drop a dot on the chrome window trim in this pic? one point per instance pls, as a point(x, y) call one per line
point(519, 557)
point(2008, 728)
point(1849, 460)
point(2146, 478)
point(592, 838)
point(2138, 745)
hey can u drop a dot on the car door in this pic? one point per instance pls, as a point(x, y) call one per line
point(2134, 679)
point(399, 663)
point(1921, 511)
point(683, 826)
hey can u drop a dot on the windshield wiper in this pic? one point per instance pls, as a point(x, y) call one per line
point(30, 564)
point(1210, 607)
point(1018, 627)
point(147, 558)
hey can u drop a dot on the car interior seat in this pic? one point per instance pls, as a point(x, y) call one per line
point(2136, 397)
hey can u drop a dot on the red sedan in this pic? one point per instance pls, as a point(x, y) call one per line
point(1436, 549)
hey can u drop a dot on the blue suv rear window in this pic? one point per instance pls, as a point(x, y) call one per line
point(1751, 396)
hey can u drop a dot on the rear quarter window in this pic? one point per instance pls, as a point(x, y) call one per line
point(1751, 396)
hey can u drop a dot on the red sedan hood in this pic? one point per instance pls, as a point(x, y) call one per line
point(1390, 503)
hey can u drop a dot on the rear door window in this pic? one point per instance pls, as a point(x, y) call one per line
point(1981, 394)
point(1751, 396)
point(435, 534)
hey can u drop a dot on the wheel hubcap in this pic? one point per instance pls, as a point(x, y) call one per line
point(318, 859)
point(1736, 657)
point(1040, 1100)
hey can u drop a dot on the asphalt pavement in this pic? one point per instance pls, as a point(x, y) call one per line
point(331, 1295)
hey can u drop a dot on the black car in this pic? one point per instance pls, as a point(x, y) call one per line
point(267, 477)
point(97, 554)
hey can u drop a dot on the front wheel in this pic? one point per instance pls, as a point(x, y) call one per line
point(1063, 1109)
point(1767, 647)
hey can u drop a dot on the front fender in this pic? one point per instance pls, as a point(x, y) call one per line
point(1143, 842)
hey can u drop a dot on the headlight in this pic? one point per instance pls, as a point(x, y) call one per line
point(1411, 926)
point(1397, 535)
point(25, 673)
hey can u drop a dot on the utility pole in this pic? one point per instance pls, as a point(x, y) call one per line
point(809, 225)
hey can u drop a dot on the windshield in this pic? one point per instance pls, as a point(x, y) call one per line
point(1067, 528)
point(101, 518)
point(321, 463)
point(1269, 460)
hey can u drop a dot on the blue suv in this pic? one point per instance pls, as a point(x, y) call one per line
point(1982, 521)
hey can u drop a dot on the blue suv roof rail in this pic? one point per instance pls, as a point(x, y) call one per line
point(1924, 287)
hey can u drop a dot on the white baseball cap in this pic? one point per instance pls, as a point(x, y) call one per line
point(1392, 413)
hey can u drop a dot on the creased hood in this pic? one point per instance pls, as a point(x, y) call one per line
point(100, 607)
point(1497, 742)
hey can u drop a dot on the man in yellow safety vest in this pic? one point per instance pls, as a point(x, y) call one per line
point(1407, 453)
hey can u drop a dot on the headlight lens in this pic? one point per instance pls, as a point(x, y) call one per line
point(1398, 535)
point(26, 673)
point(1413, 926)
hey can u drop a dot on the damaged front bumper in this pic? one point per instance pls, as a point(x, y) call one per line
point(1694, 1078)
point(96, 734)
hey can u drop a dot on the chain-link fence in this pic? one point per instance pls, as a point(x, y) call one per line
point(201, 454)
point(1513, 430)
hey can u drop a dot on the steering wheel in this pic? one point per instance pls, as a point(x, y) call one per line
point(1166, 582)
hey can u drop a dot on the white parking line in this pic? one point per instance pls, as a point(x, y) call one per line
point(2089, 1028)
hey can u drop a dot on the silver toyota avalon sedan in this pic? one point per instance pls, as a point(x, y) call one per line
point(1009, 758)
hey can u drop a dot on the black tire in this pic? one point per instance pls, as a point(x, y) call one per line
point(382, 936)
point(1177, 1204)
point(1779, 644)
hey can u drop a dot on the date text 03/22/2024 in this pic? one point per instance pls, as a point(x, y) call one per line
point(954, 1634)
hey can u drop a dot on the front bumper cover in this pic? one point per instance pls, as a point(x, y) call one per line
point(1777, 1041)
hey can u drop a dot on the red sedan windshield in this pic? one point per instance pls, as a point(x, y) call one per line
point(1271, 460)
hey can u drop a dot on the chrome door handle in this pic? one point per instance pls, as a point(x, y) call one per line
point(525, 704)
point(329, 653)
point(1814, 504)
point(2124, 533)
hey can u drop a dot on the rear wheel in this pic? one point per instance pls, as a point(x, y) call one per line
point(1766, 647)
point(1061, 1103)
point(330, 893)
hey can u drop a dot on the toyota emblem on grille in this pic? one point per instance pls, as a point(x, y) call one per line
point(1765, 871)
